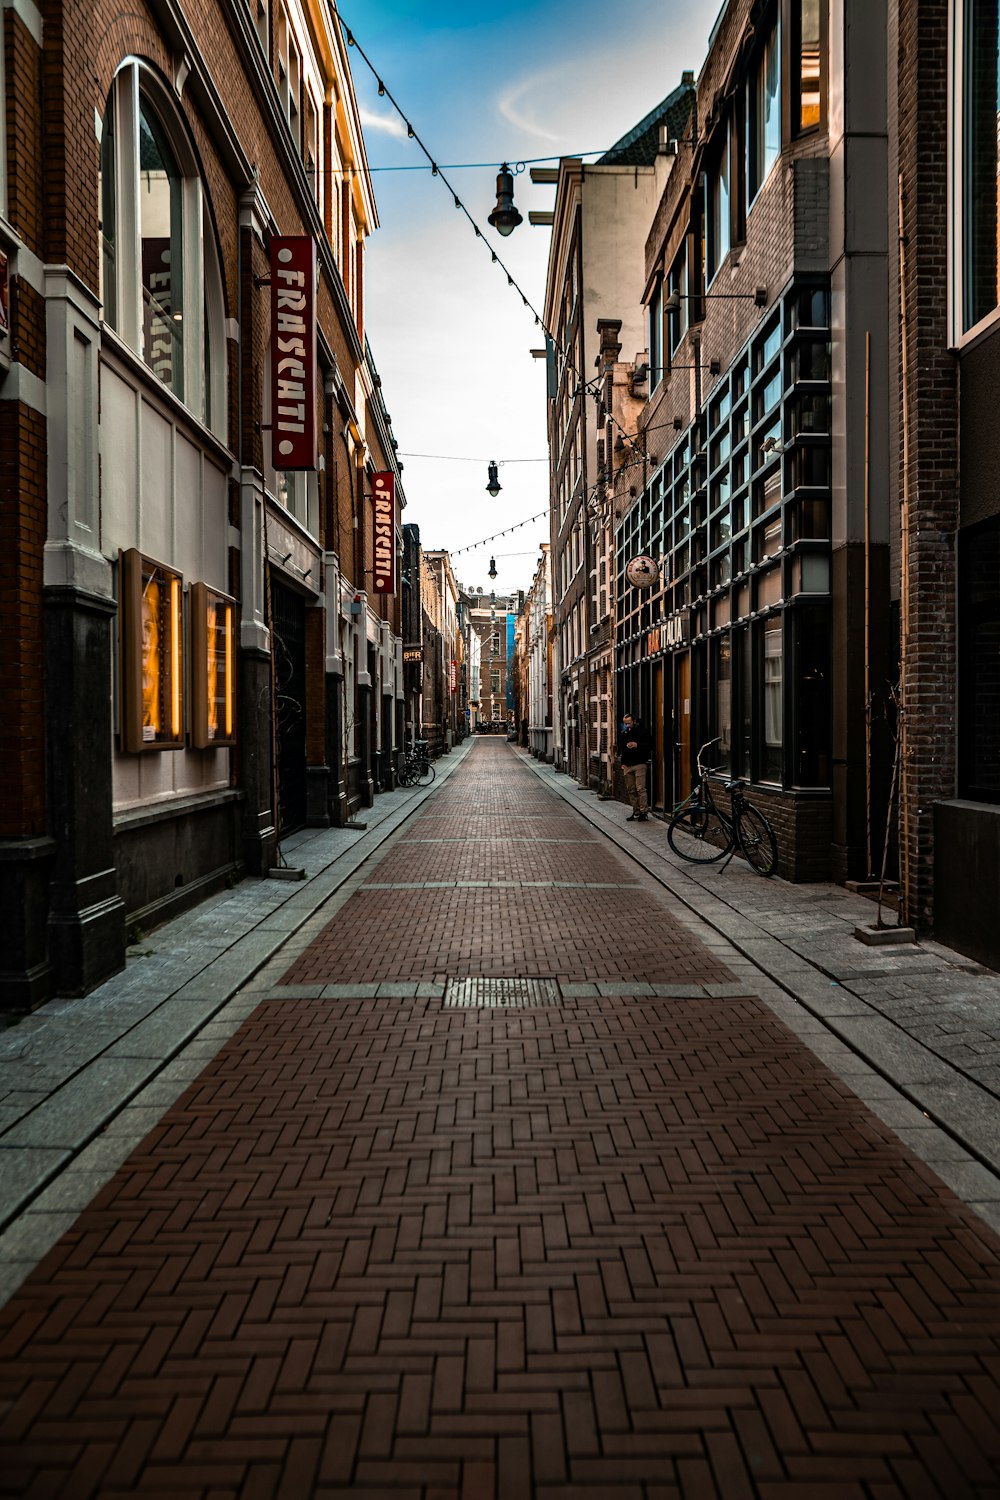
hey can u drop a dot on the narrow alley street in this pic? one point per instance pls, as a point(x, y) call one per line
point(510, 1184)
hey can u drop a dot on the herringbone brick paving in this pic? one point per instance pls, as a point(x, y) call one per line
point(616, 1248)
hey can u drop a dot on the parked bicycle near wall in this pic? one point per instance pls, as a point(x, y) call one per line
point(703, 832)
point(416, 769)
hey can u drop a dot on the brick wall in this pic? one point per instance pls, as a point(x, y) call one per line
point(931, 477)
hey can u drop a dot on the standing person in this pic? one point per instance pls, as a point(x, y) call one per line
point(633, 752)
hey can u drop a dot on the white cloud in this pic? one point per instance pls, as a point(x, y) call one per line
point(388, 124)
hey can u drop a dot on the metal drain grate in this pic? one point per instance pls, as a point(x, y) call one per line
point(506, 993)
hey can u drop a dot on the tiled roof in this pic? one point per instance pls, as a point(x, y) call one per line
point(639, 146)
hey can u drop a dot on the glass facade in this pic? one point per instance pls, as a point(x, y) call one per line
point(739, 516)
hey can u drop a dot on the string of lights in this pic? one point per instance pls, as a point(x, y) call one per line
point(436, 169)
point(461, 166)
point(471, 546)
point(454, 458)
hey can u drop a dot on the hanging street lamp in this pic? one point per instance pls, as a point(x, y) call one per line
point(505, 216)
point(493, 485)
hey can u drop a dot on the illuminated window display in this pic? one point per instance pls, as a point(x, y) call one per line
point(152, 654)
point(213, 618)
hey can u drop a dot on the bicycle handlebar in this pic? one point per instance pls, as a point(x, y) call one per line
point(701, 769)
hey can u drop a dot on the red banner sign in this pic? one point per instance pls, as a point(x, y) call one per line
point(293, 352)
point(384, 544)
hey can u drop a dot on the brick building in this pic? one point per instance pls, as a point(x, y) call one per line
point(595, 271)
point(764, 440)
point(942, 214)
point(193, 657)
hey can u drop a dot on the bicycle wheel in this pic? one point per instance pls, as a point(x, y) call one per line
point(698, 834)
point(424, 773)
point(405, 775)
point(757, 841)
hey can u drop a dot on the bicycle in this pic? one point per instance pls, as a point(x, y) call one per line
point(699, 823)
point(416, 769)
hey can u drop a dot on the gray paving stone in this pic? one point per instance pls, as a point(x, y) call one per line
point(167, 1029)
point(79, 1108)
point(617, 987)
point(970, 1181)
point(678, 991)
point(72, 1190)
point(13, 1275)
point(904, 1059)
point(579, 991)
point(34, 1234)
point(23, 1173)
point(728, 991)
point(349, 991)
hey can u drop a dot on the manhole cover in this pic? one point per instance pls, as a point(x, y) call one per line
point(501, 992)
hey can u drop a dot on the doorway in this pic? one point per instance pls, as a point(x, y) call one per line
point(288, 635)
point(682, 726)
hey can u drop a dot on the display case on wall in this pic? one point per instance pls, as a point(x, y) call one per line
point(213, 668)
point(152, 654)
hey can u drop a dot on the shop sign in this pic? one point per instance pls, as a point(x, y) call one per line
point(678, 629)
point(384, 543)
point(293, 352)
point(642, 572)
point(453, 676)
point(413, 653)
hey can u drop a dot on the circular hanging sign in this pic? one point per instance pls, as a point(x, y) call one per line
point(642, 572)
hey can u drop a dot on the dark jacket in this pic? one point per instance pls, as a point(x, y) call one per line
point(638, 737)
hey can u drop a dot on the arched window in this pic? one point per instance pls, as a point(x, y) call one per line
point(160, 280)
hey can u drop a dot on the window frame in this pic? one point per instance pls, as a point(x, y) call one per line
point(202, 306)
point(959, 334)
point(756, 173)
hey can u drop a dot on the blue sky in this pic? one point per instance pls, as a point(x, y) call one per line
point(450, 338)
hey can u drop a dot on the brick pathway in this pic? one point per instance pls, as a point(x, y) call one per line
point(611, 1246)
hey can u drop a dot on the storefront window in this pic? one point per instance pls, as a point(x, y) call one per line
point(811, 627)
point(772, 686)
point(980, 160)
point(722, 679)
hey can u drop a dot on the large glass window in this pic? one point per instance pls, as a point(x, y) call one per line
point(980, 160)
point(811, 625)
point(678, 282)
point(808, 44)
point(979, 675)
point(161, 287)
point(161, 238)
point(719, 215)
point(655, 313)
point(764, 115)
